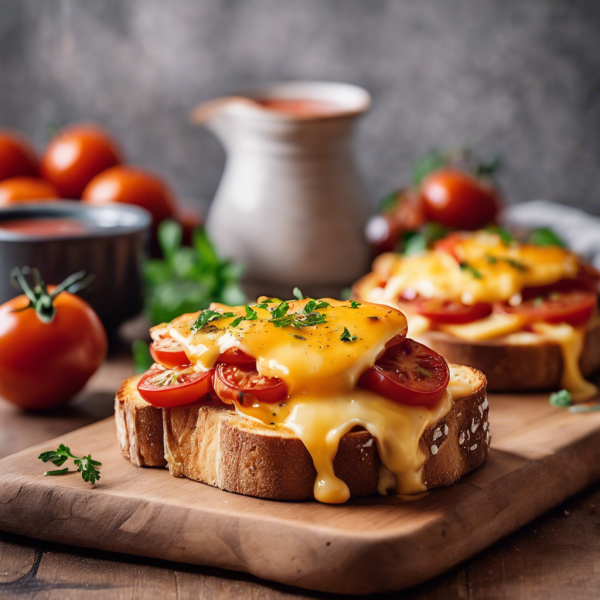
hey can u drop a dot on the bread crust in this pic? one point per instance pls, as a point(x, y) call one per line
point(220, 448)
point(515, 367)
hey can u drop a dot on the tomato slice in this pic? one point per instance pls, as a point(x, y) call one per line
point(235, 356)
point(574, 307)
point(244, 384)
point(449, 244)
point(169, 353)
point(451, 312)
point(408, 373)
point(165, 388)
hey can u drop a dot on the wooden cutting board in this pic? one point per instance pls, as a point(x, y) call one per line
point(539, 457)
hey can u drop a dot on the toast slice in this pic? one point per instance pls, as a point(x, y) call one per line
point(515, 367)
point(220, 448)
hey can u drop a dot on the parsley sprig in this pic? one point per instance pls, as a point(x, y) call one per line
point(347, 336)
point(307, 317)
point(465, 266)
point(86, 465)
point(207, 316)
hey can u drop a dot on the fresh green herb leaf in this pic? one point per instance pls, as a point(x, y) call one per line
point(561, 399)
point(423, 371)
point(354, 304)
point(414, 242)
point(299, 320)
point(464, 266)
point(322, 304)
point(298, 294)
point(280, 310)
point(251, 314)
point(85, 465)
point(374, 318)
point(188, 279)
point(545, 237)
point(505, 236)
point(515, 264)
point(583, 408)
point(428, 164)
point(347, 336)
point(389, 201)
point(492, 260)
point(236, 322)
point(207, 315)
point(142, 360)
point(299, 337)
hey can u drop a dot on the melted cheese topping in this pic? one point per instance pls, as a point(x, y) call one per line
point(505, 269)
point(321, 372)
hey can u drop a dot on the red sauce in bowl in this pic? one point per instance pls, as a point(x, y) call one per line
point(45, 227)
point(300, 107)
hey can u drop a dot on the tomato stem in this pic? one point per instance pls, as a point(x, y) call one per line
point(40, 299)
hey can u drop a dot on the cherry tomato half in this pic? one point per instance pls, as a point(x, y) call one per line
point(451, 312)
point(235, 356)
point(17, 157)
point(165, 388)
point(575, 307)
point(244, 384)
point(459, 200)
point(169, 353)
point(409, 373)
point(76, 155)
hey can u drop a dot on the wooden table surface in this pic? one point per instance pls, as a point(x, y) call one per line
point(555, 557)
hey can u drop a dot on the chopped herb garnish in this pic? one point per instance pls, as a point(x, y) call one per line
point(515, 264)
point(464, 266)
point(207, 315)
point(545, 237)
point(561, 399)
point(347, 336)
point(538, 301)
point(299, 320)
point(374, 318)
point(280, 310)
point(85, 464)
point(354, 304)
point(492, 260)
point(298, 294)
point(423, 371)
point(299, 337)
point(502, 233)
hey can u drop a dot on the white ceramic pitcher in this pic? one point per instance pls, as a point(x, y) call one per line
point(290, 205)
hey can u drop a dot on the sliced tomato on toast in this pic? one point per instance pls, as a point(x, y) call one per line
point(408, 373)
point(574, 307)
point(243, 384)
point(165, 388)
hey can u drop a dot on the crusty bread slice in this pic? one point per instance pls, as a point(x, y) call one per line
point(218, 447)
point(515, 367)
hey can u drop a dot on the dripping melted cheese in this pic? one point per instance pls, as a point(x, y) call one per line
point(321, 372)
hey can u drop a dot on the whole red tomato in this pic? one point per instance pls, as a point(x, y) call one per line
point(131, 185)
point(17, 157)
point(25, 189)
point(48, 355)
point(459, 200)
point(76, 155)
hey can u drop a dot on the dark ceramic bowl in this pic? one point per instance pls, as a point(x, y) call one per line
point(111, 246)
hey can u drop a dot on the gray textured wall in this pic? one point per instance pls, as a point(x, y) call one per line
point(514, 76)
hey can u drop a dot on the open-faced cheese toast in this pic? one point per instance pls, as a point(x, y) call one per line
point(523, 314)
point(303, 399)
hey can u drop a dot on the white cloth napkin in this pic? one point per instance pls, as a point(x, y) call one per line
point(580, 230)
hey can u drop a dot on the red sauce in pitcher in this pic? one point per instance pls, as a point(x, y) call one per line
point(45, 227)
point(299, 107)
